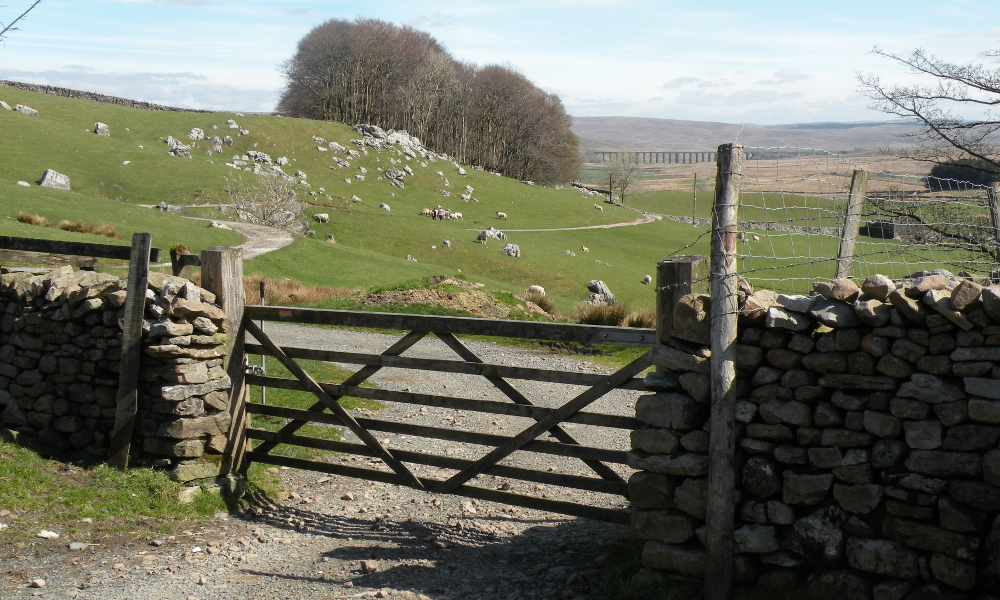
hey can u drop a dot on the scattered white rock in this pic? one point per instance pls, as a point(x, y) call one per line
point(37, 583)
point(52, 179)
point(101, 129)
point(4, 105)
point(26, 110)
point(125, 162)
point(48, 535)
point(23, 184)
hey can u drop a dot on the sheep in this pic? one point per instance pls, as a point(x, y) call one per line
point(502, 215)
point(455, 216)
point(427, 213)
point(321, 217)
point(584, 249)
point(647, 280)
point(384, 206)
point(535, 289)
point(447, 243)
point(599, 207)
point(756, 238)
point(482, 238)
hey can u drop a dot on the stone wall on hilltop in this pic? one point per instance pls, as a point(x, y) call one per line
point(867, 441)
point(94, 96)
point(60, 351)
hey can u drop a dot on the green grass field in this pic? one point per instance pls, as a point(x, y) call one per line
point(371, 243)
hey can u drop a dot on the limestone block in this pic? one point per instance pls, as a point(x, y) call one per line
point(982, 387)
point(953, 572)
point(818, 537)
point(860, 499)
point(872, 312)
point(755, 539)
point(842, 289)
point(936, 463)
point(805, 489)
point(654, 440)
point(690, 497)
point(834, 314)
point(661, 525)
point(967, 438)
point(888, 453)
point(685, 560)
point(881, 424)
point(792, 412)
point(965, 295)
point(955, 517)
point(651, 490)
point(976, 494)
point(882, 557)
point(196, 469)
point(760, 477)
point(930, 537)
point(984, 411)
point(924, 435)
point(183, 448)
point(685, 465)
point(670, 411)
point(878, 287)
point(692, 320)
point(845, 438)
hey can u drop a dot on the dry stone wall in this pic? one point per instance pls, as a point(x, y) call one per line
point(867, 440)
point(94, 96)
point(60, 350)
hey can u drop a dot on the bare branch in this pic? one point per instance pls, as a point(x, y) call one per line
point(11, 27)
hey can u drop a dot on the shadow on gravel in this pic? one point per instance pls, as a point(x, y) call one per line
point(458, 556)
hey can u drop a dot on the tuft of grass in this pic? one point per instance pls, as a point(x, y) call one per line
point(642, 319)
point(543, 302)
point(284, 292)
point(108, 231)
point(30, 219)
point(67, 225)
point(612, 315)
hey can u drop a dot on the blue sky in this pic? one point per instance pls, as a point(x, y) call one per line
point(741, 62)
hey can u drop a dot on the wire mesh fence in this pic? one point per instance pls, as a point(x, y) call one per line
point(794, 206)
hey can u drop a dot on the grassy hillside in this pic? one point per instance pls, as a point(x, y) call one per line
point(371, 243)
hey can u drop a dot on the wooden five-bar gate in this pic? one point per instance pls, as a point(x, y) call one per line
point(496, 447)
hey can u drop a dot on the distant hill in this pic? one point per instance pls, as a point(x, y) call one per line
point(611, 133)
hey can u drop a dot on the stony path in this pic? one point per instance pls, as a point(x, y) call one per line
point(340, 538)
point(649, 218)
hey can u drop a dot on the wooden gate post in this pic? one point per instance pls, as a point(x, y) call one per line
point(852, 223)
point(677, 276)
point(993, 196)
point(131, 351)
point(721, 512)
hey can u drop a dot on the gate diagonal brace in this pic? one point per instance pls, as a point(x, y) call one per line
point(558, 416)
point(358, 378)
point(345, 417)
point(517, 397)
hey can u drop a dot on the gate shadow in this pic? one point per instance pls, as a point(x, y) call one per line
point(455, 555)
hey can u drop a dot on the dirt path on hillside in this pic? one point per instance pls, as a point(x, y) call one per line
point(649, 218)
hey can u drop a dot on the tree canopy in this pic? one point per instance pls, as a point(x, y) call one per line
point(371, 71)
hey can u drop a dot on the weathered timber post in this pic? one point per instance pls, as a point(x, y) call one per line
point(222, 274)
point(131, 351)
point(852, 223)
point(993, 195)
point(720, 512)
point(676, 277)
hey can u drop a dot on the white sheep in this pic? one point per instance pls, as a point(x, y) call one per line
point(447, 243)
point(426, 212)
point(535, 289)
point(455, 216)
point(647, 280)
point(584, 249)
point(384, 206)
point(502, 215)
point(321, 217)
point(599, 207)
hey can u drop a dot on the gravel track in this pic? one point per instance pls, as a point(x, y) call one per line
point(341, 538)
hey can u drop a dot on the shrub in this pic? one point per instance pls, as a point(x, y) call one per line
point(543, 302)
point(602, 314)
point(643, 318)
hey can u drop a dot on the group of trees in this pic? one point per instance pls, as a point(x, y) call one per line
point(371, 71)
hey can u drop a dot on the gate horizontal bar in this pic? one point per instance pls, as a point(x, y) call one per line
point(609, 515)
point(448, 366)
point(560, 332)
point(439, 433)
point(485, 406)
point(569, 481)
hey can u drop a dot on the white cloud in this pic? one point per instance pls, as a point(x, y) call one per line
point(680, 82)
point(785, 76)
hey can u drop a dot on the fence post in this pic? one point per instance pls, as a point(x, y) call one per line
point(677, 276)
point(722, 440)
point(992, 193)
point(852, 223)
point(131, 351)
point(222, 274)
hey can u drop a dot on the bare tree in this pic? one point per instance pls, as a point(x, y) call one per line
point(622, 171)
point(267, 199)
point(5, 29)
point(941, 107)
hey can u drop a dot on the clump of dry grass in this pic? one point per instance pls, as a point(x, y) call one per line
point(39, 220)
point(282, 292)
point(643, 319)
point(602, 314)
point(79, 226)
point(543, 302)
